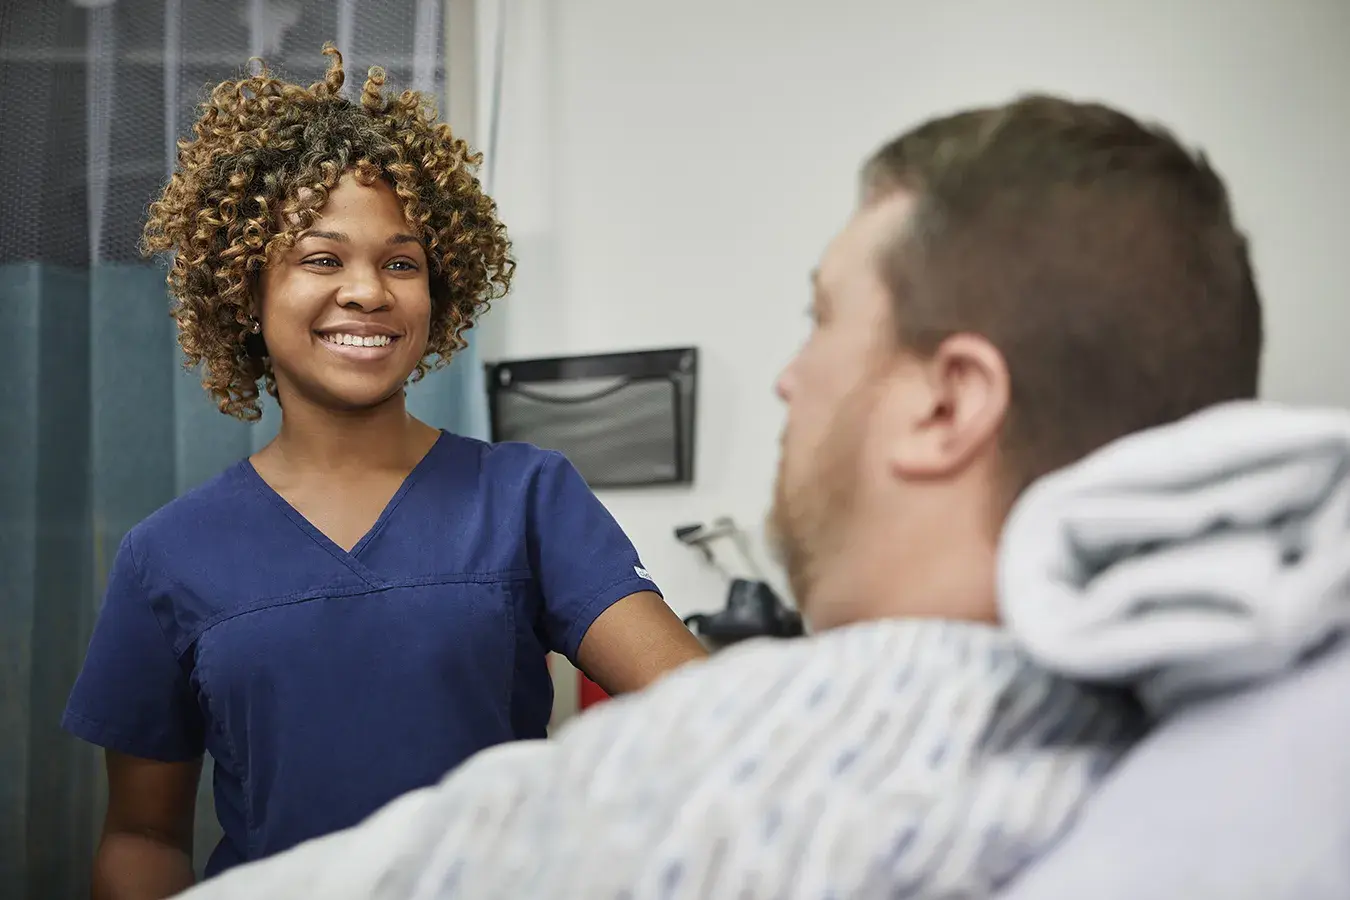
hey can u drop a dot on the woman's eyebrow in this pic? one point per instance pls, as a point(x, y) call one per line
point(342, 238)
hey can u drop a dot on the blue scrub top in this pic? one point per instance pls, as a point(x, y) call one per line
point(326, 683)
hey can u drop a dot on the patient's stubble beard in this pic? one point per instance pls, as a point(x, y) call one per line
point(808, 524)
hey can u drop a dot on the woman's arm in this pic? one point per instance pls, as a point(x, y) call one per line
point(146, 849)
point(634, 642)
point(601, 609)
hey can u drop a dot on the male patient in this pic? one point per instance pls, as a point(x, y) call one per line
point(1019, 287)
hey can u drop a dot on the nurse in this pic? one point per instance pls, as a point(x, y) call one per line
point(366, 601)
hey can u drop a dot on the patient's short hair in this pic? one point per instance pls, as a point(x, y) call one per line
point(1096, 252)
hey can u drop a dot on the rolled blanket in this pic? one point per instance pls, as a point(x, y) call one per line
point(1189, 558)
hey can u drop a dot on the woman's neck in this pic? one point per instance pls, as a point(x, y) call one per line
point(313, 439)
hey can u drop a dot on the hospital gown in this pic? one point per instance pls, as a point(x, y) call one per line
point(885, 759)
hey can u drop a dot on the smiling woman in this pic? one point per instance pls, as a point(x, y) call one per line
point(366, 601)
point(265, 162)
point(347, 309)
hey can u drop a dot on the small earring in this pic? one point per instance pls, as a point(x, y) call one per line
point(253, 325)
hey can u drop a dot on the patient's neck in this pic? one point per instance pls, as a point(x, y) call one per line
point(928, 563)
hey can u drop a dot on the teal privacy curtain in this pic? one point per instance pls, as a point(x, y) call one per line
point(99, 424)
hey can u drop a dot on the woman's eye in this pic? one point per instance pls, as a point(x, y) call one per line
point(403, 265)
point(326, 261)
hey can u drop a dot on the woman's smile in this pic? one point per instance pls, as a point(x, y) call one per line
point(358, 342)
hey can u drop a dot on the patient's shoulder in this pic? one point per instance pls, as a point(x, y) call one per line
point(788, 688)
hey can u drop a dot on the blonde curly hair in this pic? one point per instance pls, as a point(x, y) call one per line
point(264, 156)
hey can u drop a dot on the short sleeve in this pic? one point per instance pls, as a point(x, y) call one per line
point(581, 558)
point(132, 695)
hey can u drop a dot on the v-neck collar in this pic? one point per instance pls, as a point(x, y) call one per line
point(349, 558)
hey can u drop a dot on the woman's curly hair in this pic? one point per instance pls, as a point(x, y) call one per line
point(264, 155)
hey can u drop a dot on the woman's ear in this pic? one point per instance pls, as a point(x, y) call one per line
point(254, 343)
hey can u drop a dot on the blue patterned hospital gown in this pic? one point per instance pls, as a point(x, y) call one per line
point(889, 759)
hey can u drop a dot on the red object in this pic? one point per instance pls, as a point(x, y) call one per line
point(588, 692)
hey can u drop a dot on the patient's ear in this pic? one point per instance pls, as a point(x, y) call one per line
point(945, 411)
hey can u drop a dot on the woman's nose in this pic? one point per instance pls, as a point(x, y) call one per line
point(362, 289)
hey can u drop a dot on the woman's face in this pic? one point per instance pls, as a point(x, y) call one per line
point(346, 312)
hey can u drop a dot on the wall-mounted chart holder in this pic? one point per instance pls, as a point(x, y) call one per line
point(623, 419)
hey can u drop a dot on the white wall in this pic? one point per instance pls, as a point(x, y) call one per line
point(671, 170)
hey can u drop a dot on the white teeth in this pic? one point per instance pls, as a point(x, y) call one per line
point(356, 340)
